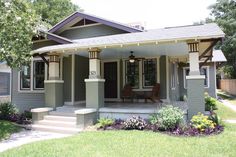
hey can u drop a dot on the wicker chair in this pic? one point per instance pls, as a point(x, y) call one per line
point(127, 93)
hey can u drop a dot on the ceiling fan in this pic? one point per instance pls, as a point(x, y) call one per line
point(132, 58)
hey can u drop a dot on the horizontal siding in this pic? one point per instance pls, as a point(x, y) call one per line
point(91, 31)
point(25, 101)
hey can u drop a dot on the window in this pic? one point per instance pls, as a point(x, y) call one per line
point(132, 74)
point(149, 72)
point(32, 77)
point(203, 71)
point(39, 70)
point(141, 74)
point(4, 83)
point(25, 78)
point(174, 76)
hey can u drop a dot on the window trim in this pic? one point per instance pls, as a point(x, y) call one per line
point(174, 77)
point(143, 75)
point(34, 76)
point(31, 89)
point(208, 79)
point(140, 88)
point(126, 61)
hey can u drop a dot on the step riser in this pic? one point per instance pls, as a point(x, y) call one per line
point(62, 114)
point(63, 119)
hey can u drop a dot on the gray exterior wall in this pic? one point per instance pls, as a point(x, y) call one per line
point(67, 78)
point(91, 31)
point(23, 100)
point(81, 73)
point(212, 75)
point(174, 93)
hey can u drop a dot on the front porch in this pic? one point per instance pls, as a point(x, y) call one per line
point(122, 110)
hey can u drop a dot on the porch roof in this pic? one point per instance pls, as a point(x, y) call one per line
point(165, 35)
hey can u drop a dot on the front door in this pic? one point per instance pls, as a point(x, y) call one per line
point(110, 75)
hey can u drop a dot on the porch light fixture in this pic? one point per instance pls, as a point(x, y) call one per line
point(131, 57)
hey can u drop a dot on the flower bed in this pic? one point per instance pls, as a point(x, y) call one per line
point(168, 120)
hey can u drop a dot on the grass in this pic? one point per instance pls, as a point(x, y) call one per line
point(131, 144)
point(6, 129)
point(225, 112)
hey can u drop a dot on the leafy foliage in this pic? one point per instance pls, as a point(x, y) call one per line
point(135, 123)
point(54, 11)
point(104, 122)
point(18, 24)
point(210, 103)
point(167, 118)
point(7, 110)
point(224, 14)
point(202, 122)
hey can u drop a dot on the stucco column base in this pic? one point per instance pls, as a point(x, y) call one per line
point(54, 93)
point(195, 94)
point(94, 93)
point(39, 113)
point(86, 117)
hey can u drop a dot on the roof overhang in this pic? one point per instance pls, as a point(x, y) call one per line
point(199, 33)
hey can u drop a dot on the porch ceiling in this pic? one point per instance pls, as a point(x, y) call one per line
point(151, 50)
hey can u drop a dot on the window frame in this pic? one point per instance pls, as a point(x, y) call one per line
point(35, 76)
point(143, 72)
point(21, 82)
point(127, 61)
point(207, 72)
point(32, 89)
point(174, 75)
point(140, 86)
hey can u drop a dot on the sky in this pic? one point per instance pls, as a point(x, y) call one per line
point(151, 13)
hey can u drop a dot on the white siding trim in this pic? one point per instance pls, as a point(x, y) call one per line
point(167, 79)
point(73, 79)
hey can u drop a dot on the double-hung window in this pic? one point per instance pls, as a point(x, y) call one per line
point(132, 74)
point(141, 74)
point(149, 72)
point(203, 71)
point(32, 77)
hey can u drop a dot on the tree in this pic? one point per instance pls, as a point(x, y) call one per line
point(224, 14)
point(18, 24)
point(20, 21)
point(53, 11)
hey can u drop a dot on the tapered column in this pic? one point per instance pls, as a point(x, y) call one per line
point(94, 84)
point(54, 86)
point(195, 82)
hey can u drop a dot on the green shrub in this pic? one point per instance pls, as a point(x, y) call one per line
point(7, 110)
point(104, 122)
point(215, 118)
point(135, 123)
point(202, 122)
point(210, 103)
point(167, 118)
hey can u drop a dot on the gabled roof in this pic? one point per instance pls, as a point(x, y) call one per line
point(176, 34)
point(77, 14)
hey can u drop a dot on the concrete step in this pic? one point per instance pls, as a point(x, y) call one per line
point(64, 130)
point(57, 123)
point(66, 114)
point(60, 118)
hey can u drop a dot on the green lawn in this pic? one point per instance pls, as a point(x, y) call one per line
point(6, 129)
point(225, 112)
point(131, 144)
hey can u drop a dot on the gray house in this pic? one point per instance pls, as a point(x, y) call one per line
point(5, 82)
point(83, 64)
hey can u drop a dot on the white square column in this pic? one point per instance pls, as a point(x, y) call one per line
point(94, 84)
point(195, 83)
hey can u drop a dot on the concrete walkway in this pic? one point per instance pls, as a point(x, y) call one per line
point(226, 103)
point(230, 121)
point(27, 136)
